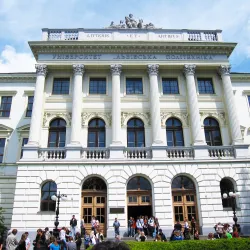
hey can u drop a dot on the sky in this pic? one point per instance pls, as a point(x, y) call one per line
point(22, 20)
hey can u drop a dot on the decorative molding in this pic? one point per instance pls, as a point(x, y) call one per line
point(189, 69)
point(41, 69)
point(50, 115)
point(242, 130)
point(183, 117)
point(8, 93)
point(116, 69)
point(145, 117)
point(106, 116)
point(20, 77)
point(5, 131)
point(23, 131)
point(153, 69)
point(78, 69)
point(224, 70)
point(219, 116)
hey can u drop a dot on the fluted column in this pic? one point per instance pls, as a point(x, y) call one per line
point(116, 104)
point(198, 138)
point(155, 104)
point(224, 71)
point(36, 117)
point(78, 70)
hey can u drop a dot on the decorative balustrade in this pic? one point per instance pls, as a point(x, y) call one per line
point(137, 153)
point(67, 35)
point(180, 153)
point(218, 152)
point(52, 153)
point(95, 153)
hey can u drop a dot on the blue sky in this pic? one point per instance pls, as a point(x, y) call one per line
point(21, 21)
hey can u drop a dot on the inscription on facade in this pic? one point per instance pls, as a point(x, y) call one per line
point(131, 57)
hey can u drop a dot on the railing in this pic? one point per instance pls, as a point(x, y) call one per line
point(115, 34)
point(221, 152)
point(95, 153)
point(137, 153)
point(52, 153)
point(180, 153)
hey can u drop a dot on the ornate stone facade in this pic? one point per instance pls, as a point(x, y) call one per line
point(153, 69)
point(220, 116)
point(50, 115)
point(183, 117)
point(78, 69)
point(116, 69)
point(189, 69)
point(145, 117)
point(106, 116)
point(41, 69)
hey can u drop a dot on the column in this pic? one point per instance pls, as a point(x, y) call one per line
point(198, 138)
point(155, 104)
point(37, 114)
point(234, 124)
point(116, 104)
point(76, 124)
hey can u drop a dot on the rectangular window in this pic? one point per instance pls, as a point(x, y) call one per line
point(97, 86)
point(24, 142)
point(248, 98)
point(61, 86)
point(132, 199)
point(5, 106)
point(134, 86)
point(2, 145)
point(87, 200)
point(145, 199)
point(170, 86)
point(30, 105)
point(205, 86)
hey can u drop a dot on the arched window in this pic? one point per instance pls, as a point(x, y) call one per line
point(135, 133)
point(182, 182)
point(57, 133)
point(174, 132)
point(48, 189)
point(212, 132)
point(96, 133)
point(94, 183)
point(139, 183)
point(226, 186)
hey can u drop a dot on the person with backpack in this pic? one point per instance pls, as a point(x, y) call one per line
point(11, 241)
point(116, 226)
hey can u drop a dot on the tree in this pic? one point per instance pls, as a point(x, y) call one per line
point(2, 227)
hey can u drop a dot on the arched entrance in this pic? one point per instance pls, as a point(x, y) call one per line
point(94, 195)
point(184, 200)
point(139, 197)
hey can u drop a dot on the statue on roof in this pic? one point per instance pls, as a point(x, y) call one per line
point(131, 23)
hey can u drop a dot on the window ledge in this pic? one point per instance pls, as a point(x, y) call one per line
point(59, 98)
point(206, 97)
point(8, 93)
point(170, 97)
point(46, 212)
point(230, 209)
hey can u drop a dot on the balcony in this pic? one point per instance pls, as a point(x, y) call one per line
point(161, 153)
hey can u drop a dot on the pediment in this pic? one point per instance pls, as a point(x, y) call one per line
point(4, 128)
point(24, 128)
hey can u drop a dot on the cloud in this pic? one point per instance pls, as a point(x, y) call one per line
point(11, 61)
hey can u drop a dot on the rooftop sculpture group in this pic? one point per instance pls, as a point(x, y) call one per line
point(131, 23)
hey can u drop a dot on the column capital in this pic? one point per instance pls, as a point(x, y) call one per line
point(78, 69)
point(189, 69)
point(153, 69)
point(116, 69)
point(41, 69)
point(224, 70)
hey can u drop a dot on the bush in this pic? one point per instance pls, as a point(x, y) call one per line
point(221, 244)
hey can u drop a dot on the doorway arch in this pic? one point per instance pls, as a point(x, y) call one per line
point(184, 200)
point(94, 202)
point(139, 197)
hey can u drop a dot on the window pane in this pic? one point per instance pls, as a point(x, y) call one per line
point(134, 86)
point(61, 86)
point(97, 86)
point(30, 106)
point(205, 86)
point(2, 145)
point(170, 138)
point(170, 86)
point(5, 106)
point(131, 139)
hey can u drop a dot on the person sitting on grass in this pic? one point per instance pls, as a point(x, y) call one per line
point(210, 236)
point(137, 235)
point(143, 237)
point(162, 235)
point(177, 235)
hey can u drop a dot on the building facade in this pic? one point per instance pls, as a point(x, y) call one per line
point(126, 121)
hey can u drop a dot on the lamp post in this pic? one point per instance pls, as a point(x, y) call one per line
point(232, 196)
point(57, 197)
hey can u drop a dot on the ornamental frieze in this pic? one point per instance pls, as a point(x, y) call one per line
point(220, 116)
point(145, 117)
point(49, 116)
point(87, 116)
point(183, 117)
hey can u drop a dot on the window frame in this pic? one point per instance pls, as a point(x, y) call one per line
point(136, 130)
point(98, 77)
point(58, 130)
point(142, 85)
point(174, 129)
point(169, 78)
point(96, 130)
point(228, 200)
point(52, 85)
point(4, 147)
point(27, 108)
point(211, 129)
point(47, 201)
point(199, 78)
point(5, 110)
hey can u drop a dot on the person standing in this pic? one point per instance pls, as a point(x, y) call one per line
point(27, 241)
point(130, 224)
point(11, 241)
point(62, 236)
point(54, 245)
point(78, 241)
point(71, 245)
point(22, 244)
point(93, 224)
point(116, 226)
point(193, 225)
point(73, 224)
point(83, 227)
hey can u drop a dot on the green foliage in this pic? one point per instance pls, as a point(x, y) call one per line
point(221, 244)
point(2, 227)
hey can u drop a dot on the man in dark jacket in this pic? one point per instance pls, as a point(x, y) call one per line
point(73, 224)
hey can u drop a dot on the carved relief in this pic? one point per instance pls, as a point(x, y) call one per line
point(49, 116)
point(183, 117)
point(86, 117)
point(220, 116)
point(125, 116)
point(189, 69)
point(153, 69)
point(41, 69)
point(78, 69)
point(116, 69)
point(224, 69)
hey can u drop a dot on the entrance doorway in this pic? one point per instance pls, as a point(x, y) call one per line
point(139, 197)
point(184, 200)
point(94, 194)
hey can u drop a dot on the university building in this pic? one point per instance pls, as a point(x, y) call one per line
point(127, 120)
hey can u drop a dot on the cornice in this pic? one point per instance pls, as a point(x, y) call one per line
point(240, 76)
point(131, 47)
point(21, 77)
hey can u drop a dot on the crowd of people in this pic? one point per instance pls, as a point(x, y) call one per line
point(225, 231)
